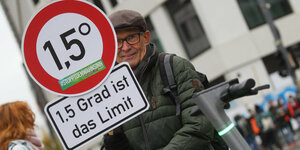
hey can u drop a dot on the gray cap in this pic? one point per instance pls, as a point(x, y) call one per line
point(127, 19)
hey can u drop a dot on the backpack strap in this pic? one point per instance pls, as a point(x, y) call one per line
point(167, 76)
point(162, 70)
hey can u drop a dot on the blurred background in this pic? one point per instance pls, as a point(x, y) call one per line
point(225, 39)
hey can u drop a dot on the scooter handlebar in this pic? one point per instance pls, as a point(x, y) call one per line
point(239, 90)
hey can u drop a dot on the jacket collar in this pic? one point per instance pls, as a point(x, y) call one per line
point(148, 61)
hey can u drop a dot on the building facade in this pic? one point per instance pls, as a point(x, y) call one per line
point(224, 39)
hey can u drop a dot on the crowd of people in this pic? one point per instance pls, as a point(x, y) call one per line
point(271, 125)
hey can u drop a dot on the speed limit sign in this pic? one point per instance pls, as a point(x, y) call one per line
point(69, 47)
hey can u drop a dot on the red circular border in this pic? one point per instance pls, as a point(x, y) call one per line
point(32, 63)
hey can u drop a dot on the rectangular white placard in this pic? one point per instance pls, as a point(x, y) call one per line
point(78, 120)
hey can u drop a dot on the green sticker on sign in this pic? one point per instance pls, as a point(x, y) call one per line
point(81, 74)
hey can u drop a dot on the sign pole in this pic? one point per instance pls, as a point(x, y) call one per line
point(278, 42)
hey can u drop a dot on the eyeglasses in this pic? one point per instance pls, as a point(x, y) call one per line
point(130, 39)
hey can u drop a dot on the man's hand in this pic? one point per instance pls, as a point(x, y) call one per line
point(116, 140)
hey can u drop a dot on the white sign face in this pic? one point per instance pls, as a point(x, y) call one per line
point(68, 51)
point(70, 46)
point(77, 120)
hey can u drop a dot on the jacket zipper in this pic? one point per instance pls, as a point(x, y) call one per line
point(141, 119)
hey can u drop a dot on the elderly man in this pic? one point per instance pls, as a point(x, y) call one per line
point(159, 127)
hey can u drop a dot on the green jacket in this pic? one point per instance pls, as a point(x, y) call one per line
point(159, 125)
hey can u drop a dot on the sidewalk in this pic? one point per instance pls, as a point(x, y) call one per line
point(295, 147)
point(286, 147)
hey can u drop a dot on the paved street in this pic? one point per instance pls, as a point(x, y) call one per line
point(286, 147)
point(297, 146)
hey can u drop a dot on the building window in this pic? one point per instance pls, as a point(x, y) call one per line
point(274, 62)
point(35, 1)
point(113, 2)
point(217, 81)
point(254, 16)
point(154, 38)
point(188, 26)
point(99, 4)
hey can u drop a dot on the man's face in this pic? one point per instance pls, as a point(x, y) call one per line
point(132, 50)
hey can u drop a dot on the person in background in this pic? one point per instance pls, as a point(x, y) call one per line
point(17, 127)
point(283, 119)
point(294, 109)
point(265, 122)
point(159, 127)
point(291, 105)
point(273, 108)
point(244, 127)
point(253, 122)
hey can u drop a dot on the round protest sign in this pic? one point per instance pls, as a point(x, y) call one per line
point(69, 47)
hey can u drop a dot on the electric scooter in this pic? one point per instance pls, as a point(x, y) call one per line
point(212, 102)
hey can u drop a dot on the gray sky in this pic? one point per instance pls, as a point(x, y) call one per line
point(14, 84)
